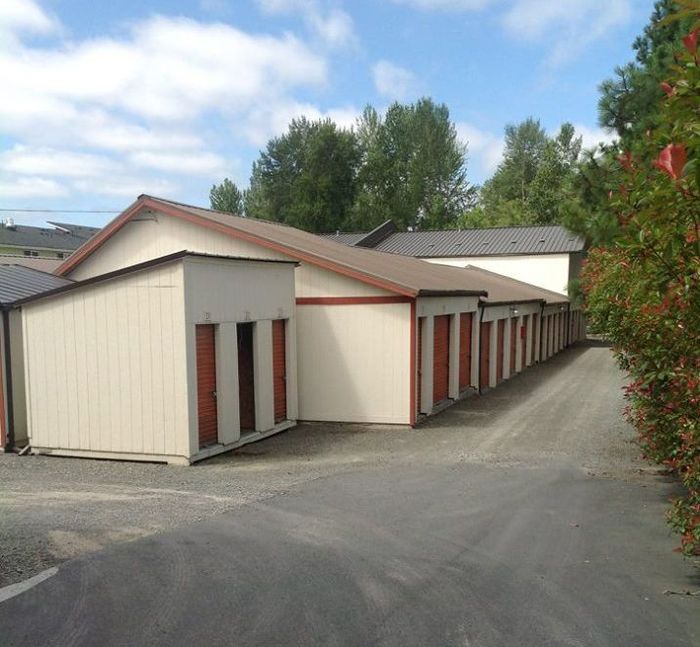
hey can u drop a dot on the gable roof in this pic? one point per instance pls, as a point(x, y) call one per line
point(493, 241)
point(397, 274)
point(59, 238)
point(19, 282)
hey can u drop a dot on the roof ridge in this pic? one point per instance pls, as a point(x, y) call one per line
point(223, 213)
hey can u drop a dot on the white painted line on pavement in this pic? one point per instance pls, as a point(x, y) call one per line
point(12, 590)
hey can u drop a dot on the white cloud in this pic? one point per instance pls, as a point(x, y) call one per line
point(393, 81)
point(31, 187)
point(571, 26)
point(484, 150)
point(25, 15)
point(91, 112)
point(566, 28)
point(26, 160)
point(207, 164)
point(591, 137)
point(334, 27)
point(127, 186)
point(273, 120)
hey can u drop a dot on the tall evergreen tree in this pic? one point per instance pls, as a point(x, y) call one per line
point(226, 197)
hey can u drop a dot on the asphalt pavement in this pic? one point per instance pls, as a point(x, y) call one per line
point(534, 525)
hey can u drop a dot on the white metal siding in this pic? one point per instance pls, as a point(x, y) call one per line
point(549, 271)
point(106, 369)
point(354, 363)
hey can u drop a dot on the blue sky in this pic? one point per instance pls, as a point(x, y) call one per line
point(106, 100)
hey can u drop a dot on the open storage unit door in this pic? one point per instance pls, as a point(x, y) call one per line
point(279, 369)
point(206, 384)
point(441, 359)
point(465, 350)
point(484, 354)
point(246, 376)
point(500, 343)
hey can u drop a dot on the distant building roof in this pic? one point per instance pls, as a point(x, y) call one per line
point(62, 237)
point(496, 241)
point(19, 282)
point(81, 231)
point(34, 262)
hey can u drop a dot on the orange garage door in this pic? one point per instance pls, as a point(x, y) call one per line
point(465, 349)
point(441, 358)
point(206, 384)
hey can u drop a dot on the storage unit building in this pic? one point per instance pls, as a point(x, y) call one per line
point(174, 359)
point(509, 320)
point(547, 256)
point(358, 311)
point(16, 282)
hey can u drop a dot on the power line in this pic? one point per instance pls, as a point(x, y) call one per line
point(62, 210)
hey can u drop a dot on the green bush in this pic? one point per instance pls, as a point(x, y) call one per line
point(644, 292)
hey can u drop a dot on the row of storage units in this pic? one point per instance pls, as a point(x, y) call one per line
point(460, 351)
point(149, 352)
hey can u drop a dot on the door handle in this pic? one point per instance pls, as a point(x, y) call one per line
point(213, 395)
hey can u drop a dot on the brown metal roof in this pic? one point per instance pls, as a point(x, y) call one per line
point(399, 274)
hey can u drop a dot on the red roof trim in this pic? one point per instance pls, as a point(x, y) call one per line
point(351, 301)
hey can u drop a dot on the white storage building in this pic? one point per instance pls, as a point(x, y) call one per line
point(174, 359)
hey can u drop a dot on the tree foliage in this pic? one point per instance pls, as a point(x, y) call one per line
point(413, 168)
point(307, 177)
point(643, 292)
point(533, 181)
point(629, 102)
point(226, 197)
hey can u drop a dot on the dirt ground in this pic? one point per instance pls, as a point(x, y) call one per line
point(53, 509)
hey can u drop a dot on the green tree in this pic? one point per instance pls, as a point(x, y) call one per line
point(533, 181)
point(630, 101)
point(413, 168)
point(307, 177)
point(226, 197)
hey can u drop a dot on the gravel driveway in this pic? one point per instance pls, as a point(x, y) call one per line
point(563, 412)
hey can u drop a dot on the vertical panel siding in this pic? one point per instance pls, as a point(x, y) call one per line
point(348, 375)
point(106, 366)
point(513, 342)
